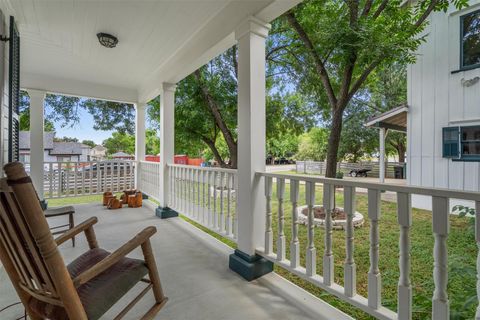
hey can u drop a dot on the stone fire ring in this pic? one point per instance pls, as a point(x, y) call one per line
point(337, 224)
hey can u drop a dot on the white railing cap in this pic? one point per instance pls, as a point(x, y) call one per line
point(437, 192)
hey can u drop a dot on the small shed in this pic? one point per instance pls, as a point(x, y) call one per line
point(394, 119)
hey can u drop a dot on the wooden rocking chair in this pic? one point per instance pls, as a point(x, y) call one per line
point(87, 287)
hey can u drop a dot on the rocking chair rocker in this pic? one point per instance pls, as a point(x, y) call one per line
point(86, 288)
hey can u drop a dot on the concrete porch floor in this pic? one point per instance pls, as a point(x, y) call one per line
point(194, 272)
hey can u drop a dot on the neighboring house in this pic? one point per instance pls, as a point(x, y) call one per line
point(24, 146)
point(122, 156)
point(98, 152)
point(443, 127)
point(55, 151)
point(70, 152)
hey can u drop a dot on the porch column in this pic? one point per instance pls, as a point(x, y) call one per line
point(251, 35)
point(139, 140)
point(167, 138)
point(381, 159)
point(37, 99)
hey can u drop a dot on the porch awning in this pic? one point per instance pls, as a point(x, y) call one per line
point(158, 42)
point(394, 119)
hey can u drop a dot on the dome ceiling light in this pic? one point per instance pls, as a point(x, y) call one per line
point(107, 40)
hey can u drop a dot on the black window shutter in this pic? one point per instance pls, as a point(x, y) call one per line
point(14, 92)
point(451, 142)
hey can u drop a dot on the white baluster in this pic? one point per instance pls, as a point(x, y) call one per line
point(209, 202)
point(374, 276)
point(221, 217)
point(229, 209)
point(328, 206)
point(50, 183)
point(281, 220)
point(204, 200)
point(404, 215)
point(477, 239)
point(311, 263)
point(295, 243)
point(215, 212)
point(441, 228)
point(268, 221)
point(350, 277)
point(198, 203)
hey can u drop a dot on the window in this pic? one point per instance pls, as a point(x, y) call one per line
point(470, 141)
point(462, 143)
point(450, 142)
point(470, 40)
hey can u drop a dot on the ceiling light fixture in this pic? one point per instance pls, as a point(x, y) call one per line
point(107, 40)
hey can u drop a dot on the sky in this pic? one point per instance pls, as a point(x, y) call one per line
point(83, 130)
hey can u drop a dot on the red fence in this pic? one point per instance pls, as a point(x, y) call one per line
point(179, 159)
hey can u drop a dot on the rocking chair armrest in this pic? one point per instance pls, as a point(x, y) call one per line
point(82, 227)
point(115, 256)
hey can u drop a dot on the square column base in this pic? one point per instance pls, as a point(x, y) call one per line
point(165, 213)
point(44, 204)
point(249, 267)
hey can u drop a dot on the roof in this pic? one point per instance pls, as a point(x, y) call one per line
point(99, 148)
point(163, 42)
point(121, 154)
point(67, 148)
point(24, 142)
point(393, 119)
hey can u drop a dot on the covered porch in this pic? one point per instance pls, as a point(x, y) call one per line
point(193, 269)
point(163, 43)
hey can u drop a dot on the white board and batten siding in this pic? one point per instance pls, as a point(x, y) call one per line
point(437, 99)
point(4, 29)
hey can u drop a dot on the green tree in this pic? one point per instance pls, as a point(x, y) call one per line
point(120, 141)
point(89, 143)
point(313, 145)
point(333, 47)
point(357, 140)
point(65, 139)
point(25, 122)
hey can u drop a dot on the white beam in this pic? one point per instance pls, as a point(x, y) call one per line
point(77, 88)
point(37, 98)
point(167, 135)
point(139, 137)
point(251, 37)
point(381, 159)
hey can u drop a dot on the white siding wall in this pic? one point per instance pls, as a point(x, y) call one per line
point(437, 99)
point(4, 29)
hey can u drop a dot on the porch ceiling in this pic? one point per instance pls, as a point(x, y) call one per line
point(159, 41)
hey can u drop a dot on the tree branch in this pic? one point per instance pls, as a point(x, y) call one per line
point(322, 71)
point(425, 15)
point(366, 8)
point(380, 9)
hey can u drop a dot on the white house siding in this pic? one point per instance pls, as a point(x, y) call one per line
point(4, 29)
point(437, 99)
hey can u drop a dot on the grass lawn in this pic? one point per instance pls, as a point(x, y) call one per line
point(461, 247)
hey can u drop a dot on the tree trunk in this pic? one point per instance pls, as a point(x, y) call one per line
point(334, 143)
point(216, 154)
point(401, 153)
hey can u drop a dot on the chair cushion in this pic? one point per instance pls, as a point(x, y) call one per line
point(59, 211)
point(100, 293)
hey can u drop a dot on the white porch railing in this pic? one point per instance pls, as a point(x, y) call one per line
point(149, 178)
point(324, 278)
point(205, 195)
point(70, 179)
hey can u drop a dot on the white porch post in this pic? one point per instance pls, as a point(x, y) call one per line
point(381, 159)
point(251, 149)
point(139, 140)
point(37, 99)
point(167, 144)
